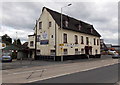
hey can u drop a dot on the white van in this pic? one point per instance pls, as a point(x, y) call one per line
point(111, 52)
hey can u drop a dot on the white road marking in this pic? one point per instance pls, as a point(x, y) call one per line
point(70, 73)
point(26, 72)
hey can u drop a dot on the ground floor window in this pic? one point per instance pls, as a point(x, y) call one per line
point(65, 51)
point(76, 51)
point(38, 52)
point(52, 52)
point(82, 51)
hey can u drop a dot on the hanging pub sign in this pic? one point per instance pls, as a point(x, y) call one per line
point(44, 42)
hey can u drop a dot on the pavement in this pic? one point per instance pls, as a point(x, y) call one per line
point(43, 72)
point(28, 63)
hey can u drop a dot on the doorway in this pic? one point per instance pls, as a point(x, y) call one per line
point(88, 50)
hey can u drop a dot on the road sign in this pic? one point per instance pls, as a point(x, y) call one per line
point(61, 44)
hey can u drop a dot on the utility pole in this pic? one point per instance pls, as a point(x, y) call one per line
point(35, 40)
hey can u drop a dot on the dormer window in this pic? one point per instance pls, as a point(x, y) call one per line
point(79, 27)
point(66, 23)
point(91, 30)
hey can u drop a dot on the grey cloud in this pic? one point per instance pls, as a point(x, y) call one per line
point(114, 42)
point(103, 16)
point(21, 15)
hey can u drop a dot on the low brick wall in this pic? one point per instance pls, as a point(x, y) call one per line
point(65, 57)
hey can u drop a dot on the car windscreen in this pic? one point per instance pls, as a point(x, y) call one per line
point(6, 54)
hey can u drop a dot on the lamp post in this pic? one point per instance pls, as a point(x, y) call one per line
point(16, 38)
point(61, 30)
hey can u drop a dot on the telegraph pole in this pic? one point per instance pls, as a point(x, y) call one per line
point(35, 40)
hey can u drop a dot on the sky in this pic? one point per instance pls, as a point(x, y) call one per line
point(18, 18)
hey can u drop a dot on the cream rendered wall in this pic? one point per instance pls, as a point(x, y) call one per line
point(71, 40)
point(31, 38)
point(45, 18)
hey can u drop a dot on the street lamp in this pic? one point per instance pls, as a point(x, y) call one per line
point(16, 38)
point(61, 29)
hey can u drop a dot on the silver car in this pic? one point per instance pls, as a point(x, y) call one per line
point(6, 57)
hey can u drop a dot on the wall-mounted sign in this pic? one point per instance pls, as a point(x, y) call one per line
point(71, 45)
point(61, 44)
point(45, 35)
point(44, 42)
point(3, 45)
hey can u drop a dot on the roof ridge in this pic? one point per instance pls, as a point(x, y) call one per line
point(66, 15)
point(73, 21)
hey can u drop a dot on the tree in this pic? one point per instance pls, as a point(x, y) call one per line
point(6, 39)
point(14, 43)
point(18, 42)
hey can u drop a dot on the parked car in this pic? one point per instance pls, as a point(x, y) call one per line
point(111, 52)
point(115, 55)
point(6, 57)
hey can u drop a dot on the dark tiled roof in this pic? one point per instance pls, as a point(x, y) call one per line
point(115, 45)
point(73, 23)
point(31, 35)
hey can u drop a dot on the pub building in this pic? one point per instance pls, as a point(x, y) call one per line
point(75, 39)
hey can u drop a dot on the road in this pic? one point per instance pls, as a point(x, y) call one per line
point(53, 71)
point(107, 74)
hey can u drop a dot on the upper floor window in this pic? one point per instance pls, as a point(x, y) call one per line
point(97, 41)
point(51, 36)
point(82, 40)
point(66, 23)
point(64, 38)
point(40, 25)
point(76, 39)
point(31, 43)
point(94, 41)
point(50, 24)
point(87, 40)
